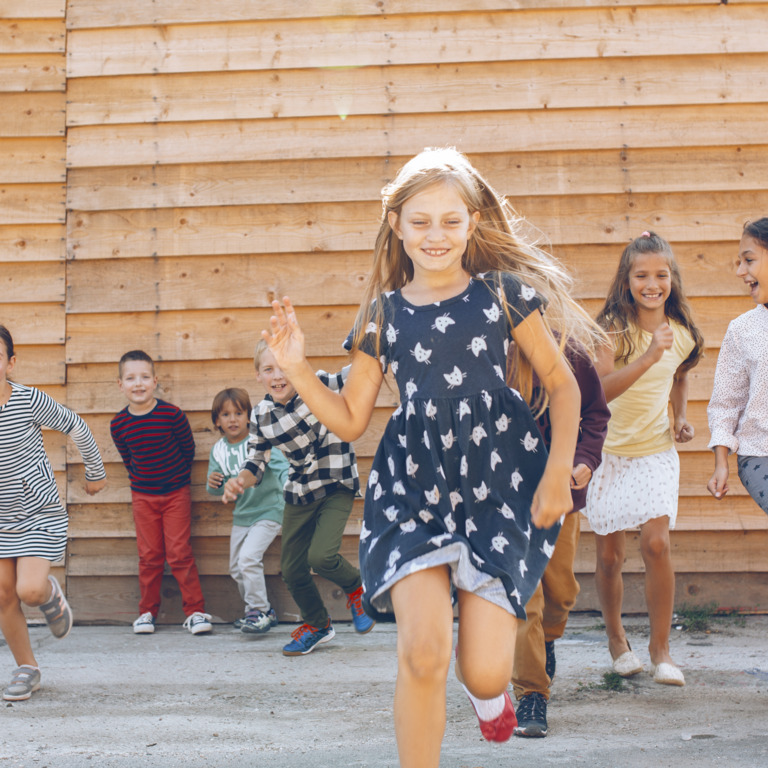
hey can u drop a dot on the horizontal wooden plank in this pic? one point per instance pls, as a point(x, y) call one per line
point(195, 334)
point(32, 114)
point(729, 591)
point(40, 9)
point(32, 72)
point(32, 203)
point(318, 227)
point(205, 282)
point(32, 242)
point(692, 552)
point(37, 365)
point(101, 599)
point(326, 137)
point(514, 174)
point(44, 283)
point(31, 160)
point(92, 387)
point(38, 35)
point(414, 39)
point(84, 14)
point(35, 323)
point(425, 88)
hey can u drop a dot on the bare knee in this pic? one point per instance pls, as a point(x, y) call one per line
point(425, 658)
point(655, 547)
point(483, 682)
point(34, 594)
point(610, 561)
point(8, 596)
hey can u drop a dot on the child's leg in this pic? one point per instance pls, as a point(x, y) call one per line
point(12, 621)
point(323, 554)
point(486, 650)
point(148, 519)
point(610, 588)
point(236, 539)
point(298, 528)
point(177, 532)
point(659, 585)
point(251, 563)
point(422, 604)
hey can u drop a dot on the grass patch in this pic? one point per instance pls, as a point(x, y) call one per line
point(612, 681)
point(699, 618)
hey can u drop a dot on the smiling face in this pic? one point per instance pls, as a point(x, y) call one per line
point(650, 281)
point(434, 226)
point(233, 422)
point(138, 383)
point(752, 268)
point(273, 379)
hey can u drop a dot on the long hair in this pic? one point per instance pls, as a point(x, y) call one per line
point(7, 340)
point(619, 313)
point(497, 244)
point(758, 230)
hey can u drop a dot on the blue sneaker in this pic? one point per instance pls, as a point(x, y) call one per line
point(272, 617)
point(362, 621)
point(306, 637)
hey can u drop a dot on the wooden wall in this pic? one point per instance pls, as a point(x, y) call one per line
point(217, 157)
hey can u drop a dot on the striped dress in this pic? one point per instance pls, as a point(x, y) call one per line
point(33, 521)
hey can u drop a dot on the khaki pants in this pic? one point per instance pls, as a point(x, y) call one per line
point(547, 612)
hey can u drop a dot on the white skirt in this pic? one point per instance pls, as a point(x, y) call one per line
point(626, 492)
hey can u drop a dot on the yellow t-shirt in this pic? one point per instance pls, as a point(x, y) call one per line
point(639, 424)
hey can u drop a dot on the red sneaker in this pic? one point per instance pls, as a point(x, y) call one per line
point(502, 727)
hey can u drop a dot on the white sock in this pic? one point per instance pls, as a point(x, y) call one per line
point(487, 709)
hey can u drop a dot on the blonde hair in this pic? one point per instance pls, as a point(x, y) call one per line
point(497, 244)
point(261, 348)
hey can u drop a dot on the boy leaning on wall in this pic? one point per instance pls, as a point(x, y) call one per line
point(156, 444)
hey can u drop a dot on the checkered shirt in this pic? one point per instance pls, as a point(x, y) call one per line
point(319, 461)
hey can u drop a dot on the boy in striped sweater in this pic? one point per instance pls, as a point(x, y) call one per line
point(157, 448)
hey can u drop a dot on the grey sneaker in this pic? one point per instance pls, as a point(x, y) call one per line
point(532, 716)
point(58, 614)
point(145, 624)
point(256, 623)
point(25, 681)
point(198, 622)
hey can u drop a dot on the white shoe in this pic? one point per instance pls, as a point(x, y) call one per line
point(667, 674)
point(198, 622)
point(627, 664)
point(145, 624)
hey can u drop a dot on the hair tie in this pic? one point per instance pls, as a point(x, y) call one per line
point(645, 234)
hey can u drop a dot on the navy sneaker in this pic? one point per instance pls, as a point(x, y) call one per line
point(256, 623)
point(272, 617)
point(551, 663)
point(363, 623)
point(532, 716)
point(306, 637)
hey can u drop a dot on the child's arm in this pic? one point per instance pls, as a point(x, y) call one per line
point(616, 382)
point(718, 483)
point(184, 438)
point(238, 485)
point(552, 498)
point(593, 426)
point(345, 413)
point(678, 397)
point(215, 476)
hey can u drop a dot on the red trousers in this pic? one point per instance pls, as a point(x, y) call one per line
point(163, 530)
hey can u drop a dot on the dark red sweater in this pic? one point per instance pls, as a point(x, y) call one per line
point(157, 448)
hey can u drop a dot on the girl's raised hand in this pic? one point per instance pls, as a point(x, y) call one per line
point(285, 338)
point(663, 338)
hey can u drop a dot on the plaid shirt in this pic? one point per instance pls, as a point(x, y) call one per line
point(319, 461)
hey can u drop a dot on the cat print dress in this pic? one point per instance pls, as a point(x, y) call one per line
point(454, 475)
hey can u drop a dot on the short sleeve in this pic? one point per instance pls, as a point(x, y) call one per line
point(373, 342)
point(521, 298)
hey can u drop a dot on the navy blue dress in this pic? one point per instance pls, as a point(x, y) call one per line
point(455, 472)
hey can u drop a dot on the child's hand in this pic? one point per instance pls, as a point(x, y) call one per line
point(580, 476)
point(232, 489)
point(215, 479)
point(285, 338)
point(718, 483)
point(663, 338)
point(683, 431)
point(92, 487)
point(551, 501)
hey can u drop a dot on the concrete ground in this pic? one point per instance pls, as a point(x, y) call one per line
point(114, 699)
